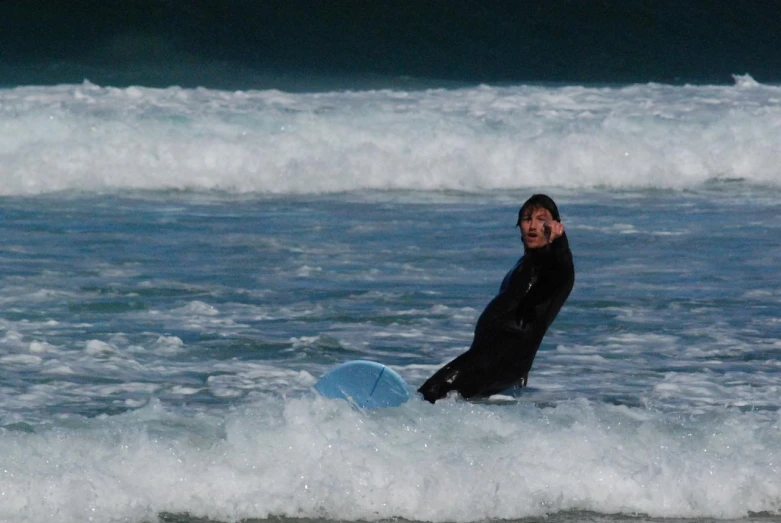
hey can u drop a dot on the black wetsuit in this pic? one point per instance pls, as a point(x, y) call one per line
point(510, 329)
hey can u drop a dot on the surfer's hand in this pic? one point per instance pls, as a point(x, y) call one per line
point(552, 230)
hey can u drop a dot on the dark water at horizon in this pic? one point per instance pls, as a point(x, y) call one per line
point(300, 45)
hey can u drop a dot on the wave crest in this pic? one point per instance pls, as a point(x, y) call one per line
point(93, 139)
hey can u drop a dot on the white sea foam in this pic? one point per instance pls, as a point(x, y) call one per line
point(316, 458)
point(90, 138)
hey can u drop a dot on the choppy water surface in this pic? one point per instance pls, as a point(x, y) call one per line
point(159, 352)
point(179, 266)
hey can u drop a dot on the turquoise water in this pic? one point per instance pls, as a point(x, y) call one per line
point(179, 266)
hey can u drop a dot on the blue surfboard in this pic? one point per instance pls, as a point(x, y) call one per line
point(364, 384)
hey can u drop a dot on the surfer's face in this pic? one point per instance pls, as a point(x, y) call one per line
point(534, 225)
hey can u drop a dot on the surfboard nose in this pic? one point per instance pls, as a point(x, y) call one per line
point(364, 384)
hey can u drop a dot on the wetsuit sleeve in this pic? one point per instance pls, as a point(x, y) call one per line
point(545, 297)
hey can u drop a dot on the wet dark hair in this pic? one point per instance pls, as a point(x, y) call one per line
point(539, 201)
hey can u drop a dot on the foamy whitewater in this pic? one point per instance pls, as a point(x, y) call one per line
point(179, 267)
point(89, 138)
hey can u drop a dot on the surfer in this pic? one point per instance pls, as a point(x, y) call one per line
point(510, 329)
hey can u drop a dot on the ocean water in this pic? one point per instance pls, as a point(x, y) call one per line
point(300, 45)
point(180, 265)
point(204, 206)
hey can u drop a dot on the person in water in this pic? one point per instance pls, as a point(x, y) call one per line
point(510, 329)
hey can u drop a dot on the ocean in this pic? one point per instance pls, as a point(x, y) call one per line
point(184, 255)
